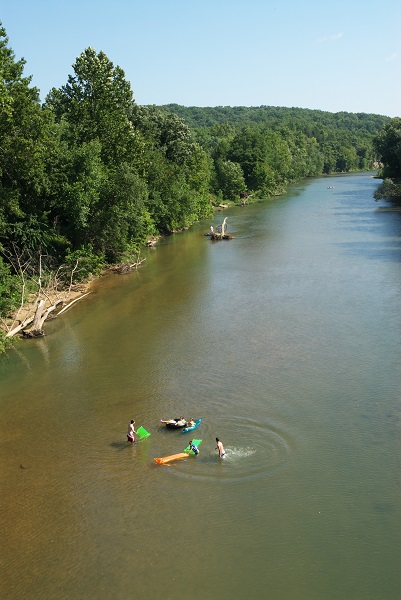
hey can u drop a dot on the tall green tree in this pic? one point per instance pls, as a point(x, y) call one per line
point(177, 170)
point(104, 195)
point(28, 145)
point(97, 103)
point(388, 146)
point(263, 158)
point(230, 179)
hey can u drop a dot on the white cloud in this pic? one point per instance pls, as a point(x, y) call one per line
point(392, 57)
point(331, 38)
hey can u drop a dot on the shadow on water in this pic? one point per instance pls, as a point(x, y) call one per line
point(375, 232)
point(120, 445)
point(389, 252)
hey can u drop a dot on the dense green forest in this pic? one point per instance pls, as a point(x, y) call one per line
point(88, 176)
point(388, 148)
point(263, 149)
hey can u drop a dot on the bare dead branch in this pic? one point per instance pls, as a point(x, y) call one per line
point(72, 275)
point(72, 302)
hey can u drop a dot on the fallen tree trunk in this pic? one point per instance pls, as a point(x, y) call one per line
point(126, 267)
point(50, 296)
point(20, 326)
point(40, 317)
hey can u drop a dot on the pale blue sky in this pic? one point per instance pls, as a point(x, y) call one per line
point(337, 56)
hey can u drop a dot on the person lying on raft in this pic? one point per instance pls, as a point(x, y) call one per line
point(177, 422)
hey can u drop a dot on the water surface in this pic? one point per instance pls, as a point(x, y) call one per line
point(285, 340)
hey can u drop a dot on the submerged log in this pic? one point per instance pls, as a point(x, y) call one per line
point(219, 236)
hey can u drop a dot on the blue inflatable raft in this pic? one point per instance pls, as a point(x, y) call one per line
point(197, 423)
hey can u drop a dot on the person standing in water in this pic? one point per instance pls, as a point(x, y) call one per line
point(131, 432)
point(220, 448)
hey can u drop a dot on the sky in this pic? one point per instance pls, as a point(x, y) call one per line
point(327, 55)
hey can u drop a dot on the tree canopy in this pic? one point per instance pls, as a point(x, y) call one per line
point(388, 146)
point(89, 174)
point(269, 147)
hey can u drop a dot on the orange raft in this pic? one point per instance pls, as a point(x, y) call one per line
point(168, 459)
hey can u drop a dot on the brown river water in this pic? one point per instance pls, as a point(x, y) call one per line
point(286, 342)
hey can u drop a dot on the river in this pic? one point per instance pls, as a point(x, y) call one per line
point(286, 342)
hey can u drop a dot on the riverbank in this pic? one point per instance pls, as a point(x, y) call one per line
point(21, 322)
point(52, 302)
point(49, 303)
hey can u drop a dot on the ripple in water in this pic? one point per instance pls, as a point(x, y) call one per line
point(259, 450)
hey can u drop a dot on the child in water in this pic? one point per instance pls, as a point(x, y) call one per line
point(194, 448)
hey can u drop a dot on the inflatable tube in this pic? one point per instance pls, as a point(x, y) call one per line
point(168, 459)
point(197, 423)
point(176, 425)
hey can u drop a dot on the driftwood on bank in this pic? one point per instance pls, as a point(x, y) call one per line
point(40, 316)
point(244, 198)
point(51, 296)
point(123, 268)
point(22, 324)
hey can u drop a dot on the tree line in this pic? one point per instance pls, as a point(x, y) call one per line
point(88, 176)
point(388, 147)
point(263, 149)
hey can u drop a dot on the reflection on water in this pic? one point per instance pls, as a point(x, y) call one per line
point(285, 340)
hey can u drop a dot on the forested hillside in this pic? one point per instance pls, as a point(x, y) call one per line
point(262, 149)
point(88, 176)
point(311, 121)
